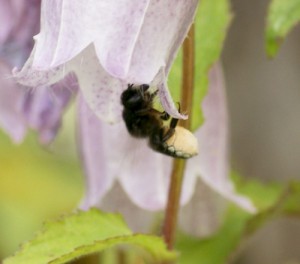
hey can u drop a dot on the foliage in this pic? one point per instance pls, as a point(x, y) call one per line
point(85, 233)
point(272, 200)
point(211, 23)
point(283, 15)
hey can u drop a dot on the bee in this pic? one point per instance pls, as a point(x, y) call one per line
point(144, 121)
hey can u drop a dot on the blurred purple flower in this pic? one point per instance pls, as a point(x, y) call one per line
point(24, 107)
point(10, 100)
point(42, 108)
point(18, 21)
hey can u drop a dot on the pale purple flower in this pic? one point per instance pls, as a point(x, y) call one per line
point(42, 108)
point(24, 107)
point(18, 21)
point(104, 45)
point(10, 100)
point(108, 45)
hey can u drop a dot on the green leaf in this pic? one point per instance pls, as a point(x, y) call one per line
point(211, 23)
point(283, 15)
point(272, 200)
point(215, 249)
point(82, 234)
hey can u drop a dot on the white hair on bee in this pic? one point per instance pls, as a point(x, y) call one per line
point(182, 143)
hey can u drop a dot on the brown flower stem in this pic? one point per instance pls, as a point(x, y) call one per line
point(188, 76)
point(90, 259)
point(122, 258)
point(170, 222)
point(187, 87)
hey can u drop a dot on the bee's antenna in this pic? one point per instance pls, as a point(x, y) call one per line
point(129, 86)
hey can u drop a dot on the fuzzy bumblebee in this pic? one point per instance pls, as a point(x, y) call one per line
point(144, 121)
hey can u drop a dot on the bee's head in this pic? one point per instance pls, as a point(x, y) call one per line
point(134, 96)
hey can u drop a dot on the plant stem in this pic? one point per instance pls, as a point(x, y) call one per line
point(172, 209)
point(90, 259)
point(188, 76)
point(187, 87)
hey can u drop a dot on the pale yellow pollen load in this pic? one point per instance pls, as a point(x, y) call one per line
point(183, 143)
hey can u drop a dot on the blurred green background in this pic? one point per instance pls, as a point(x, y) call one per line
point(36, 183)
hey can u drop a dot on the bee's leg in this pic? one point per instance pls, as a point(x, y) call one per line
point(153, 95)
point(146, 111)
point(171, 130)
point(164, 115)
point(173, 124)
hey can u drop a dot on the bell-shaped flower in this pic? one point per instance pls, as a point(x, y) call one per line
point(110, 154)
point(108, 44)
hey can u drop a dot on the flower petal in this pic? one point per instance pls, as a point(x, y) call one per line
point(101, 91)
point(6, 20)
point(202, 214)
point(69, 26)
point(145, 174)
point(132, 29)
point(10, 99)
point(99, 152)
point(46, 40)
point(165, 96)
point(211, 164)
point(164, 28)
point(44, 106)
point(26, 16)
point(19, 22)
point(121, 30)
point(130, 43)
point(138, 219)
point(30, 77)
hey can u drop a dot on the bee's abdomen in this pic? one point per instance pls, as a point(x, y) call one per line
point(182, 144)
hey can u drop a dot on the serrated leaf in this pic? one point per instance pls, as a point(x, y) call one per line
point(272, 200)
point(283, 15)
point(85, 233)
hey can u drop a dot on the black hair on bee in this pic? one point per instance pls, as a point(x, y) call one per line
point(144, 121)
